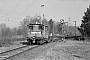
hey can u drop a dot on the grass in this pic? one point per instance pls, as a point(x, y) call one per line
point(8, 41)
point(5, 42)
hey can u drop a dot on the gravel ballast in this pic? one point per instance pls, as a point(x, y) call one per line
point(69, 50)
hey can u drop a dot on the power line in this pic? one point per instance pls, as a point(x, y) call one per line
point(16, 7)
point(28, 7)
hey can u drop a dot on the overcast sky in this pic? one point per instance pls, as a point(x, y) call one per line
point(55, 9)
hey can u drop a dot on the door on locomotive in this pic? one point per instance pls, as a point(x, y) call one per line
point(37, 33)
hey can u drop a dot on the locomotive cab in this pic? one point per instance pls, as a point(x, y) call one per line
point(37, 33)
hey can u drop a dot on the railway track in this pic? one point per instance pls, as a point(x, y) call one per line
point(8, 54)
point(14, 52)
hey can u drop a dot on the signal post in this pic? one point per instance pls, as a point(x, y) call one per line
point(62, 22)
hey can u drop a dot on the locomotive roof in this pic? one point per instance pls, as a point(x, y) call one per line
point(35, 24)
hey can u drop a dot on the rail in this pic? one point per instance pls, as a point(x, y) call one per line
point(8, 54)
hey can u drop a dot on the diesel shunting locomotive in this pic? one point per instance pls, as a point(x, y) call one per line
point(38, 34)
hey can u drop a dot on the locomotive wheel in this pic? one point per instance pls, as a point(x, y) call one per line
point(43, 40)
point(40, 42)
point(46, 40)
point(36, 42)
point(29, 42)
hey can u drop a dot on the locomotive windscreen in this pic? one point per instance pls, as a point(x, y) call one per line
point(36, 27)
point(41, 27)
point(31, 27)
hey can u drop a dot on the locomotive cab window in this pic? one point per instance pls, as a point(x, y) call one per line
point(31, 27)
point(46, 28)
point(41, 27)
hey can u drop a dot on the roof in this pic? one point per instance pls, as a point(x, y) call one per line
point(35, 24)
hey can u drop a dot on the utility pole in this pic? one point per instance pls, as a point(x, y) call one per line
point(53, 27)
point(43, 19)
point(75, 28)
point(62, 31)
point(43, 14)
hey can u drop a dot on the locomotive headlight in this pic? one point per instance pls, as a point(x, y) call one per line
point(33, 37)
